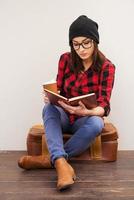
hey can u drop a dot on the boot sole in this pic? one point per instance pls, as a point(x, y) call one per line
point(65, 186)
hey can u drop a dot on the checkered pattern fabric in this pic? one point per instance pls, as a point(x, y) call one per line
point(72, 85)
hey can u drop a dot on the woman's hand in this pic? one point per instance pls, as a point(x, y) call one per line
point(80, 110)
point(45, 98)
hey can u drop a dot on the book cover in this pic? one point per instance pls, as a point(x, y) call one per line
point(89, 100)
point(51, 85)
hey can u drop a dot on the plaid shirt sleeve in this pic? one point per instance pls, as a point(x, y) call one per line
point(61, 69)
point(105, 86)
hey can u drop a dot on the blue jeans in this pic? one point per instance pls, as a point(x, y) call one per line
point(83, 131)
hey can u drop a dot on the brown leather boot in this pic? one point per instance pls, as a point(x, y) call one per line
point(34, 162)
point(65, 172)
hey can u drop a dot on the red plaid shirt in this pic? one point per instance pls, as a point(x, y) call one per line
point(101, 83)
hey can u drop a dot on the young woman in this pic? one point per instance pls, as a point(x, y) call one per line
point(83, 70)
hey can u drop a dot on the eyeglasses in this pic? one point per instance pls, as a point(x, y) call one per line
point(86, 44)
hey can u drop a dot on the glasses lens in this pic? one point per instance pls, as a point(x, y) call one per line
point(76, 46)
point(87, 44)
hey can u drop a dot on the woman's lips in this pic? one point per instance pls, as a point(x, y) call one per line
point(83, 54)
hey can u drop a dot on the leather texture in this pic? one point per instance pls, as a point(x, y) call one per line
point(104, 147)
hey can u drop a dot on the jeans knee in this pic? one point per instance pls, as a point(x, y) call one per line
point(94, 126)
point(49, 109)
point(96, 123)
point(44, 110)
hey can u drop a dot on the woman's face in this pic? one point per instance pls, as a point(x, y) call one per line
point(84, 47)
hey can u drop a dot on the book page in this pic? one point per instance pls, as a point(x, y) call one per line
point(81, 97)
point(54, 97)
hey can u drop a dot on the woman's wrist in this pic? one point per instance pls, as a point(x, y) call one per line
point(99, 111)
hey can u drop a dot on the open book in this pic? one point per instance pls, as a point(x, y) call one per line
point(89, 100)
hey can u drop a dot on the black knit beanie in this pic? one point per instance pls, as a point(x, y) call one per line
point(83, 26)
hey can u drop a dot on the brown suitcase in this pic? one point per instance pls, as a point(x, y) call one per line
point(103, 148)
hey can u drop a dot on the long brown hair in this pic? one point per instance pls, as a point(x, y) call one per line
point(76, 61)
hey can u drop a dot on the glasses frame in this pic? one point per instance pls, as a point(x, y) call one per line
point(81, 44)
